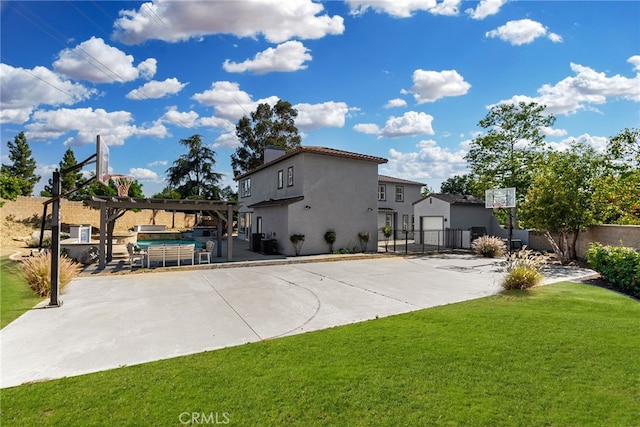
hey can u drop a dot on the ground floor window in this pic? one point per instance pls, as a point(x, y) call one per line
point(388, 221)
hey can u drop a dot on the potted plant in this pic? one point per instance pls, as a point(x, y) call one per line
point(330, 238)
point(364, 239)
point(297, 240)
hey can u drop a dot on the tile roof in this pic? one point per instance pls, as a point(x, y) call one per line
point(455, 199)
point(385, 178)
point(316, 150)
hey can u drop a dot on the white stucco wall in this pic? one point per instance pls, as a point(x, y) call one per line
point(432, 206)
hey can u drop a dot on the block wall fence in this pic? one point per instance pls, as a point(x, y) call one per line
point(30, 209)
point(614, 235)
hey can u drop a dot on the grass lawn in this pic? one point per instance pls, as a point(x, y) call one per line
point(15, 295)
point(560, 355)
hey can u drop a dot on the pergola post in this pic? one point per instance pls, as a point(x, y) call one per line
point(102, 256)
point(229, 233)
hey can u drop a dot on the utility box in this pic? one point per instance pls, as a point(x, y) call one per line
point(80, 232)
point(255, 241)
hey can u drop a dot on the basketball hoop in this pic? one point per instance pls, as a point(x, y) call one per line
point(122, 182)
point(497, 206)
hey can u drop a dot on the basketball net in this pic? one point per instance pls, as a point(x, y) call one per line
point(122, 182)
point(497, 206)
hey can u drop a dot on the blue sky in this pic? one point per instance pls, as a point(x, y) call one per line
point(405, 80)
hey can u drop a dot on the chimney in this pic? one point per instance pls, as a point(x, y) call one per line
point(272, 152)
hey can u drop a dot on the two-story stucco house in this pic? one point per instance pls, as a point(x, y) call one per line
point(395, 202)
point(309, 191)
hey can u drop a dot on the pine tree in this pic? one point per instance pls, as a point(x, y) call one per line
point(24, 165)
point(70, 180)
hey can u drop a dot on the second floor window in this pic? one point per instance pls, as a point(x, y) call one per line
point(245, 187)
point(280, 178)
point(399, 193)
point(382, 192)
point(290, 176)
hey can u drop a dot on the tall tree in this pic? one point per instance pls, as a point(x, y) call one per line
point(266, 126)
point(625, 147)
point(192, 174)
point(506, 155)
point(69, 181)
point(560, 198)
point(617, 195)
point(460, 184)
point(23, 166)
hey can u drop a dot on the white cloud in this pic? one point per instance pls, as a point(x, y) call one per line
point(429, 163)
point(404, 8)
point(97, 62)
point(635, 61)
point(277, 20)
point(158, 163)
point(143, 174)
point(587, 88)
point(23, 90)
point(521, 32)
point(368, 128)
point(553, 132)
point(182, 119)
point(486, 8)
point(229, 102)
point(227, 140)
point(286, 57)
point(429, 86)
point(85, 123)
point(395, 103)
point(411, 123)
point(599, 143)
point(155, 89)
point(315, 116)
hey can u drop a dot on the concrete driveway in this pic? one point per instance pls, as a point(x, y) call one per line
point(110, 321)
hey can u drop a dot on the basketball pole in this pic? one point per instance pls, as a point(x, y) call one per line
point(56, 195)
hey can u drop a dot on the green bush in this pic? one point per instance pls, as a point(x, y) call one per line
point(522, 277)
point(523, 269)
point(618, 265)
point(489, 246)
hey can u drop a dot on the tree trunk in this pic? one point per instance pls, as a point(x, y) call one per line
point(573, 255)
point(560, 248)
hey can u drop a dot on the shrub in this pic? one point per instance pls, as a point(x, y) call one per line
point(37, 270)
point(618, 265)
point(523, 269)
point(489, 246)
point(297, 240)
point(330, 238)
point(522, 277)
point(364, 239)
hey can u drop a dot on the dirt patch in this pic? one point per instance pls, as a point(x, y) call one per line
point(14, 236)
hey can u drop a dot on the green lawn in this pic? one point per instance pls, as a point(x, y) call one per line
point(15, 295)
point(560, 355)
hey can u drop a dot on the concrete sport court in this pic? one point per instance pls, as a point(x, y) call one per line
point(108, 321)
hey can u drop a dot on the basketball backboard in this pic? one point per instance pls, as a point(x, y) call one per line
point(500, 198)
point(102, 161)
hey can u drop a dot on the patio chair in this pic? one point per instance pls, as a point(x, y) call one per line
point(133, 256)
point(205, 255)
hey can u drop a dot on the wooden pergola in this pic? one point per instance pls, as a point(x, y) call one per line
point(112, 208)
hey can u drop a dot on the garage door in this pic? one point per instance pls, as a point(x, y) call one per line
point(432, 230)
